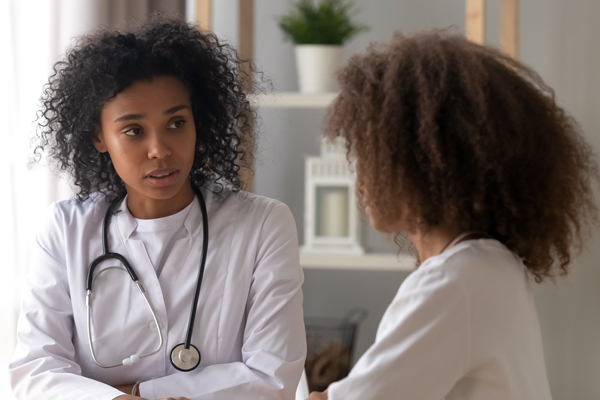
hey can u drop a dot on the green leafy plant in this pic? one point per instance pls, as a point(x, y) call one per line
point(325, 22)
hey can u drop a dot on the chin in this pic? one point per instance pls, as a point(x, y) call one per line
point(162, 196)
point(381, 224)
point(163, 193)
point(156, 193)
point(383, 228)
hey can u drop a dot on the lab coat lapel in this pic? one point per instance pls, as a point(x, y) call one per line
point(140, 262)
point(180, 255)
point(179, 286)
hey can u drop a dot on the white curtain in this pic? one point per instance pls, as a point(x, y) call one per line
point(26, 40)
point(33, 36)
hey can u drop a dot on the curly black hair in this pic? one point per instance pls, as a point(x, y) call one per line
point(104, 63)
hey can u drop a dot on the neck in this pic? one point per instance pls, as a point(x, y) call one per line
point(434, 241)
point(150, 208)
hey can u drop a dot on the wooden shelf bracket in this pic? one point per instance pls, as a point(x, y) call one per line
point(509, 24)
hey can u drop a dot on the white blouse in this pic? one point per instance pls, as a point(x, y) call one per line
point(160, 234)
point(462, 326)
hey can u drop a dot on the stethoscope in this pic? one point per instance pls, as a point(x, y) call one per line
point(185, 356)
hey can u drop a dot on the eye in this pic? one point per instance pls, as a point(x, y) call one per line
point(176, 124)
point(132, 131)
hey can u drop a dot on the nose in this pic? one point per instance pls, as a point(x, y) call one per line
point(158, 146)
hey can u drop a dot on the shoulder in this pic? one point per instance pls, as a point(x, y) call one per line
point(266, 223)
point(250, 207)
point(252, 202)
point(69, 214)
point(69, 210)
point(68, 219)
point(474, 259)
point(484, 270)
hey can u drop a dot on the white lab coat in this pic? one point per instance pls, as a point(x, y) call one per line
point(249, 325)
point(463, 326)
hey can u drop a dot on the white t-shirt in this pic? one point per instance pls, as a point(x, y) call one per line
point(462, 326)
point(160, 234)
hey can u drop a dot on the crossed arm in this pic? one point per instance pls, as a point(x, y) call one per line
point(129, 389)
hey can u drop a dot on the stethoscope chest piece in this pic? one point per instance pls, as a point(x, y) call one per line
point(185, 359)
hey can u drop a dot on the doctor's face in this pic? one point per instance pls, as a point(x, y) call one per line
point(148, 130)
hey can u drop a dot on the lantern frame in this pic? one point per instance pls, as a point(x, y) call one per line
point(329, 171)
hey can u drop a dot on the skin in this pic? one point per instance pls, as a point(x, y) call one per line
point(427, 245)
point(318, 396)
point(147, 127)
point(130, 397)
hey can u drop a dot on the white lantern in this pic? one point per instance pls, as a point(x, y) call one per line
point(331, 221)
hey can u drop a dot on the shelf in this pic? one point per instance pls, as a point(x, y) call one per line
point(371, 261)
point(293, 100)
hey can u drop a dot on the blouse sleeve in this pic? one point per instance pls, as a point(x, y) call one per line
point(422, 345)
point(43, 366)
point(274, 341)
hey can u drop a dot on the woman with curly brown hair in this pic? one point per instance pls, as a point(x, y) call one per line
point(465, 151)
point(149, 123)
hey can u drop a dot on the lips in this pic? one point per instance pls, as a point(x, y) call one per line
point(162, 177)
point(161, 171)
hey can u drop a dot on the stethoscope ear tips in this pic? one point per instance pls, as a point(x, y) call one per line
point(131, 360)
point(185, 359)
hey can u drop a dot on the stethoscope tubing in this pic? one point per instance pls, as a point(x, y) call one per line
point(88, 301)
point(107, 255)
point(190, 329)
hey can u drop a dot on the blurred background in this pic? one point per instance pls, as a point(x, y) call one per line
point(557, 38)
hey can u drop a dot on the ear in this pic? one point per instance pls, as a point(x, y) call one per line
point(98, 139)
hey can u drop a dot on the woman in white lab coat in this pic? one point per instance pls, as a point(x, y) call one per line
point(465, 152)
point(144, 121)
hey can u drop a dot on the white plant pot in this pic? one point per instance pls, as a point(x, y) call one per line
point(316, 65)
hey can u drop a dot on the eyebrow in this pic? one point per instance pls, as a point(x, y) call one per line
point(173, 110)
point(130, 117)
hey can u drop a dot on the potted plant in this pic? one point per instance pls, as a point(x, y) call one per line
point(319, 29)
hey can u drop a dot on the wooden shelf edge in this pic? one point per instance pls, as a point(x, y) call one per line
point(293, 100)
point(370, 262)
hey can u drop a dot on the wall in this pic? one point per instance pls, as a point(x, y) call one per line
point(559, 41)
point(557, 38)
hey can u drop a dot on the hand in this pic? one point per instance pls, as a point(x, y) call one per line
point(318, 396)
point(174, 398)
point(125, 388)
point(129, 389)
point(130, 397)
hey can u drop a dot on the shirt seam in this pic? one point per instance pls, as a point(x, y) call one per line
point(268, 210)
point(467, 309)
point(468, 328)
point(237, 211)
point(64, 246)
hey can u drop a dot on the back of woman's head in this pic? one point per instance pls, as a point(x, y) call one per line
point(445, 131)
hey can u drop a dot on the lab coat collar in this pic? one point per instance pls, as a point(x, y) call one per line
point(193, 222)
